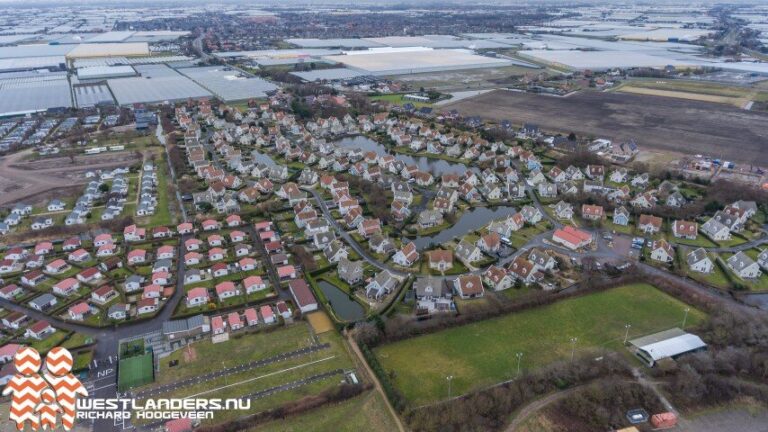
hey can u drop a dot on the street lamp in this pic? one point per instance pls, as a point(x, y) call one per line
point(685, 317)
point(449, 378)
point(519, 357)
point(626, 334)
point(573, 346)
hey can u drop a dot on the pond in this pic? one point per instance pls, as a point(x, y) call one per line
point(470, 220)
point(435, 166)
point(759, 300)
point(344, 307)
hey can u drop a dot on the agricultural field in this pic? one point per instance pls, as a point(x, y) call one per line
point(483, 353)
point(694, 90)
point(663, 123)
point(471, 79)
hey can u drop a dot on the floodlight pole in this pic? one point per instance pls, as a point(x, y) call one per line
point(685, 317)
point(626, 334)
point(573, 347)
point(449, 378)
point(519, 357)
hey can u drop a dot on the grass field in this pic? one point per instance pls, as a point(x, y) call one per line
point(365, 412)
point(232, 353)
point(206, 357)
point(483, 353)
point(397, 99)
point(135, 372)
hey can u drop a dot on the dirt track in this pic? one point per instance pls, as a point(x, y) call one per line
point(683, 126)
point(19, 180)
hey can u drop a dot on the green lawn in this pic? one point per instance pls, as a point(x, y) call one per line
point(397, 99)
point(365, 412)
point(135, 371)
point(234, 352)
point(483, 353)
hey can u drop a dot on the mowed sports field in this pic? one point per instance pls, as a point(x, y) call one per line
point(481, 354)
point(657, 122)
point(135, 371)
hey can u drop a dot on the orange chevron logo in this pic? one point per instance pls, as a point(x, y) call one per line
point(38, 398)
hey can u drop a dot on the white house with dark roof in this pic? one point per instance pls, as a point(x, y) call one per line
point(743, 266)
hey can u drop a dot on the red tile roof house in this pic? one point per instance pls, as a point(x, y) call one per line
point(247, 264)
point(70, 244)
point(251, 318)
point(79, 311)
point(220, 269)
point(80, 255)
point(57, 266)
point(283, 309)
point(32, 278)
point(166, 252)
point(286, 272)
point(152, 291)
point(236, 236)
point(16, 254)
point(440, 260)
point(161, 278)
point(192, 244)
point(274, 247)
point(132, 233)
point(43, 248)
point(369, 227)
point(650, 224)
point(233, 220)
point(66, 287)
point(103, 294)
point(8, 351)
point(39, 330)
point(147, 305)
point(161, 232)
point(685, 229)
point(406, 256)
point(218, 326)
point(210, 225)
point(9, 292)
point(15, 320)
point(592, 212)
point(234, 321)
point(216, 254)
point(469, 286)
point(267, 314)
point(106, 250)
point(571, 237)
point(263, 226)
point(226, 290)
point(302, 296)
point(253, 284)
point(215, 240)
point(137, 256)
point(89, 275)
point(268, 236)
point(192, 258)
point(197, 296)
point(490, 243)
point(185, 228)
point(103, 239)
